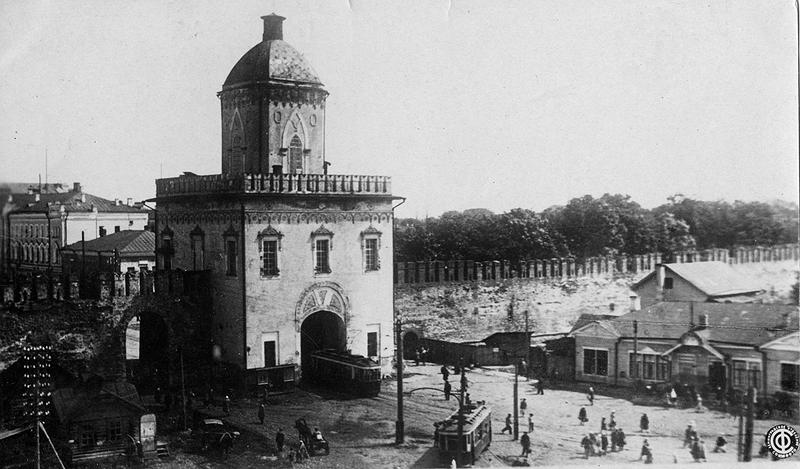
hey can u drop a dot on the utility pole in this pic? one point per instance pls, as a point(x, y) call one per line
point(399, 428)
point(516, 405)
point(183, 393)
point(635, 349)
point(748, 424)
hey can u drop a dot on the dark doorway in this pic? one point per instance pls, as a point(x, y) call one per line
point(410, 341)
point(321, 330)
point(716, 375)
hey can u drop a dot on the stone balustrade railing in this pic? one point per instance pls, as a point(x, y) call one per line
point(274, 184)
point(570, 267)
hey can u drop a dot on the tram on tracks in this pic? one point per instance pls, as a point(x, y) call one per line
point(475, 435)
point(350, 373)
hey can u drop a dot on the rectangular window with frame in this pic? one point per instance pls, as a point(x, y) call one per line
point(790, 377)
point(595, 362)
point(230, 251)
point(653, 367)
point(270, 257)
point(739, 373)
point(371, 260)
point(322, 256)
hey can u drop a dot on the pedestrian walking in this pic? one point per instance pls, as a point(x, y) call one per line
point(698, 450)
point(720, 446)
point(582, 415)
point(621, 439)
point(614, 440)
point(445, 372)
point(644, 424)
point(226, 405)
point(612, 422)
point(417, 354)
point(525, 441)
point(464, 382)
point(436, 434)
point(604, 442)
point(508, 426)
point(261, 413)
point(280, 439)
point(603, 426)
point(523, 367)
point(673, 397)
point(590, 395)
point(530, 423)
point(587, 445)
point(447, 389)
point(646, 453)
point(689, 435)
point(523, 406)
point(540, 387)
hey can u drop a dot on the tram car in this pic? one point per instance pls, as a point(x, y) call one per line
point(476, 434)
point(350, 373)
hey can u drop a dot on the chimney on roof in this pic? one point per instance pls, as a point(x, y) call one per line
point(703, 320)
point(37, 197)
point(130, 202)
point(76, 187)
point(660, 273)
point(636, 304)
point(83, 198)
point(117, 202)
point(273, 27)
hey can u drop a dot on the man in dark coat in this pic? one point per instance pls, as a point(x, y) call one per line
point(590, 395)
point(447, 389)
point(582, 415)
point(644, 423)
point(280, 439)
point(508, 426)
point(540, 386)
point(445, 372)
point(261, 413)
point(525, 441)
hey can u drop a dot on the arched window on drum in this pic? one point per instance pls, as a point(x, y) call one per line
point(296, 155)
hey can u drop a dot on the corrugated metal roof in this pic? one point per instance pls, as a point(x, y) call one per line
point(126, 242)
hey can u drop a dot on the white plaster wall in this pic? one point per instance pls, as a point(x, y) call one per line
point(272, 301)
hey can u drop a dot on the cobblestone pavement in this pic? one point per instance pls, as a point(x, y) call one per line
point(361, 430)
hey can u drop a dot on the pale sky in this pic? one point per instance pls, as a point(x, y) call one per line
point(464, 103)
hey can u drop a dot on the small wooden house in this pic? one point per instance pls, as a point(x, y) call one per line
point(101, 420)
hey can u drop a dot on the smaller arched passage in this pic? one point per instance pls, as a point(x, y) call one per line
point(410, 343)
point(319, 331)
point(154, 351)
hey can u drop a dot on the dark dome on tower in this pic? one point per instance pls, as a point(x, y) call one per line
point(271, 60)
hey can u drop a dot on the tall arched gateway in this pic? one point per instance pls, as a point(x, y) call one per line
point(321, 330)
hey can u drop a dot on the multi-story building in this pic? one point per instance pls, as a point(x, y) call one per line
point(299, 259)
point(42, 224)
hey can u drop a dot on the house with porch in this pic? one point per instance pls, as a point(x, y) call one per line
point(730, 346)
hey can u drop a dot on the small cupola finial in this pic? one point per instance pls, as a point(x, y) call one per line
point(273, 27)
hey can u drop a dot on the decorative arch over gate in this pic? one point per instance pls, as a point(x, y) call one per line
point(322, 296)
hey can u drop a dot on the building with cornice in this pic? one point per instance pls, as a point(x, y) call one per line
point(299, 259)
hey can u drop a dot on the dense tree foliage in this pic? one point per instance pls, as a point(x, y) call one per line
point(587, 226)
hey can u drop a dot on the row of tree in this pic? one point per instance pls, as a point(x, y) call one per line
point(587, 226)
